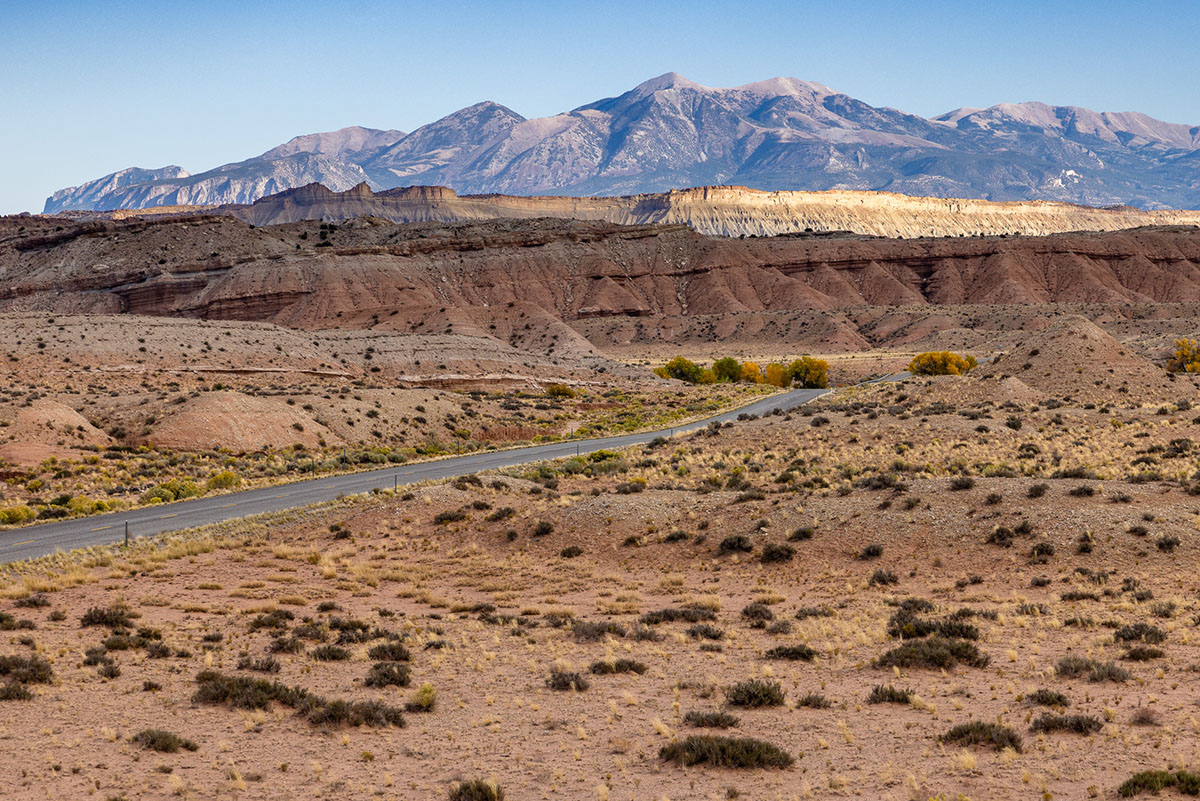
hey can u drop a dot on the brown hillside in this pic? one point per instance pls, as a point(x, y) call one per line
point(1074, 357)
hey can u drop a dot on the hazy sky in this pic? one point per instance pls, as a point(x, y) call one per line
point(93, 87)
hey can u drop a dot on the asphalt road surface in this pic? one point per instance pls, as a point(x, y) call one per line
point(46, 538)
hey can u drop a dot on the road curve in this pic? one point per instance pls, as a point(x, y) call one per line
point(32, 542)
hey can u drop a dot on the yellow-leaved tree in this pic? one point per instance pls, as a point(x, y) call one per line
point(751, 373)
point(776, 375)
point(941, 362)
point(1186, 358)
point(809, 373)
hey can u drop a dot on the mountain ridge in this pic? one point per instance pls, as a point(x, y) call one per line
point(669, 131)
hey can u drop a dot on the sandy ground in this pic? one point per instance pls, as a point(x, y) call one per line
point(476, 606)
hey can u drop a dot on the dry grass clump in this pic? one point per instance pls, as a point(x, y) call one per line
point(423, 700)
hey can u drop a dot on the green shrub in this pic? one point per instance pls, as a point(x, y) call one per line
point(872, 551)
point(907, 625)
point(710, 720)
point(735, 543)
point(12, 691)
point(725, 752)
point(618, 666)
point(565, 680)
point(801, 534)
point(267, 664)
point(330, 653)
point(14, 515)
point(243, 692)
point(792, 652)
point(449, 516)
point(979, 733)
point(814, 701)
point(1143, 653)
point(935, 652)
point(163, 741)
point(1143, 632)
point(887, 694)
point(689, 615)
point(226, 479)
point(389, 674)
point(757, 611)
point(776, 552)
point(476, 790)
point(705, 631)
point(1048, 698)
point(275, 619)
point(113, 617)
point(1079, 724)
point(390, 652)
point(588, 631)
point(1075, 666)
point(883, 578)
point(1153, 781)
point(754, 693)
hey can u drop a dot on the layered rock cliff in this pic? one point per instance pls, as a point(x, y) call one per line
point(717, 210)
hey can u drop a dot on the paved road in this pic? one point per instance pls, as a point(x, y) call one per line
point(40, 540)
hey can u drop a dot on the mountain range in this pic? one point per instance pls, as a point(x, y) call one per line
point(670, 132)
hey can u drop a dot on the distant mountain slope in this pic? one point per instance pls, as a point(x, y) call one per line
point(325, 158)
point(670, 132)
point(96, 194)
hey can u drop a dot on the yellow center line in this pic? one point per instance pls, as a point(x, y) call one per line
point(102, 528)
point(26, 542)
point(229, 506)
point(164, 517)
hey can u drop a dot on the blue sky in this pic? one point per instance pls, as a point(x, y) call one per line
point(94, 87)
